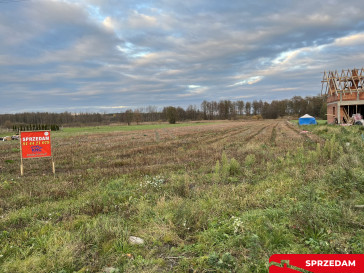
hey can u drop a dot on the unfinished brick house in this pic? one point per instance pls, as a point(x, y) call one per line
point(345, 94)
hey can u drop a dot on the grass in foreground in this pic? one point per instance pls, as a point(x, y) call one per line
point(217, 198)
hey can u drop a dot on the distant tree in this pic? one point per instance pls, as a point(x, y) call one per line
point(323, 109)
point(297, 106)
point(265, 110)
point(152, 113)
point(257, 107)
point(170, 113)
point(281, 106)
point(248, 108)
point(232, 110)
point(214, 109)
point(224, 109)
point(137, 116)
point(128, 116)
point(191, 112)
point(181, 113)
point(8, 124)
point(204, 109)
point(240, 106)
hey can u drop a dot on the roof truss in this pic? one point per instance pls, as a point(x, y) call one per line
point(346, 82)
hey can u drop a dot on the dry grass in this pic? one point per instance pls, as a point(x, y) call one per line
point(178, 188)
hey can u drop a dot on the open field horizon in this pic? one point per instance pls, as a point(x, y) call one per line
point(209, 197)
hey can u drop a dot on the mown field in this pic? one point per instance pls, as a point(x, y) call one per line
point(216, 197)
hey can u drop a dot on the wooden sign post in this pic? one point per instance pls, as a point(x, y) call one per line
point(35, 144)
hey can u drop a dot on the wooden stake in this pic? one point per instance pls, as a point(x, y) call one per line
point(53, 167)
point(21, 167)
point(21, 157)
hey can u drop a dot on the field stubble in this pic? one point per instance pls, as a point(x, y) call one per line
point(211, 198)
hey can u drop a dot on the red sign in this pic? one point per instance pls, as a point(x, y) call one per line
point(316, 263)
point(35, 144)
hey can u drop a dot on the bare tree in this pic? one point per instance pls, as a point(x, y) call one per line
point(248, 108)
point(128, 116)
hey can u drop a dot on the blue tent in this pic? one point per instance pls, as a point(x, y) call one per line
point(306, 120)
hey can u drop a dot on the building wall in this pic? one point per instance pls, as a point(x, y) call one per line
point(331, 113)
point(332, 109)
point(332, 98)
point(352, 96)
point(346, 97)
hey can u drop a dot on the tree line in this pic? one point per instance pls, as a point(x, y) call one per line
point(35, 127)
point(208, 110)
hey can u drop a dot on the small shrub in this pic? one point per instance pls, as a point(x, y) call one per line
point(224, 159)
point(227, 261)
point(332, 149)
point(249, 160)
point(234, 167)
point(227, 168)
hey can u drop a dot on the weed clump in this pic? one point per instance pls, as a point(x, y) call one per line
point(227, 170)
point(249, 160)
point(223, 262)
point(154, 182)
point(332, 149)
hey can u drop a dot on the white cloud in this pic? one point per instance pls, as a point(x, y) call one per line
point(193, 90)
point(109, 23)
point(285, 89)
point(350, 40)
point(249, 81)
point(138, 20)
point(93, 52)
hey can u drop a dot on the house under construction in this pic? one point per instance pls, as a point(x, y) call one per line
point(345, 94)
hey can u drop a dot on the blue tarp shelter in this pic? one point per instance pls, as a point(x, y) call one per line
point(306, 120)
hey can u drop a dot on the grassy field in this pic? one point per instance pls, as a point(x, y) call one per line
point(204, 198)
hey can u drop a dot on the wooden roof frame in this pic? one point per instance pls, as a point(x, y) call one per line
point(348, 81)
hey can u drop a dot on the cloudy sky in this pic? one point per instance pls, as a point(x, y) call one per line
point(99, 55)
